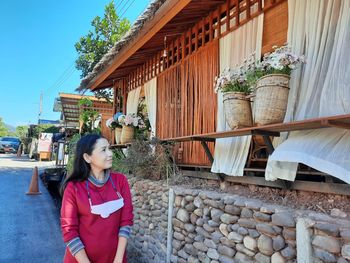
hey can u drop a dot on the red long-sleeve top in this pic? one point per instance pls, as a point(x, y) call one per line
point(98, 235)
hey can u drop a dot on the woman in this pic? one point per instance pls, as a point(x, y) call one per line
point(96, 213)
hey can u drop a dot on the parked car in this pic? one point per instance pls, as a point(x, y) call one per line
point(9, 144)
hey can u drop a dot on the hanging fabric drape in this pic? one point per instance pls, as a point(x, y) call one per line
point(151, 103)
point(133, 101)
point(320, 30)
point(230, 154)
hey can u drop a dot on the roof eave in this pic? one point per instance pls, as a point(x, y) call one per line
point(162, 16)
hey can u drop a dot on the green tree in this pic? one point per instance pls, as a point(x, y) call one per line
point(3, 130)
point(21, 132)
point(91, 47)
point(47, 128)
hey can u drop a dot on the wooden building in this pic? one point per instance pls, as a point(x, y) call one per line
point(68, 104)
point(180, 46)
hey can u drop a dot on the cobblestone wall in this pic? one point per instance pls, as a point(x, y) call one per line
point(331, 242)
point(217, 227)
point(149, 233)
point(212, 227)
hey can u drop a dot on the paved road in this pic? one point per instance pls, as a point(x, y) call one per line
point(29, 225)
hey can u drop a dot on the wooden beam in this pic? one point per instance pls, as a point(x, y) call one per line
point(268, 142)
point(248, 9)
point(329, 188)
point(267, 133)
point(207, 151)
point(78, 97)
point(336, 124)
point(166, 12)
point(228, 14)
point(203, 139)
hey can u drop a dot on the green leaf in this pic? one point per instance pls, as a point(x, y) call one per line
point(105, 33)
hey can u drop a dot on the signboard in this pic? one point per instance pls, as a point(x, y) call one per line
point(44, 144)
point(41, 121)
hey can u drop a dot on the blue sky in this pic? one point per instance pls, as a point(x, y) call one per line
point(38, 54)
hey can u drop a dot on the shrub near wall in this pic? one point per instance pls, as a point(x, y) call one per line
point(149, 233)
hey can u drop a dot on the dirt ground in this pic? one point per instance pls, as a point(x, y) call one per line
point(318, 202)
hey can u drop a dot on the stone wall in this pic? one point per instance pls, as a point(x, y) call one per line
point(218, 227)
point(331, 241)
point(228, 228)
point(149, 233)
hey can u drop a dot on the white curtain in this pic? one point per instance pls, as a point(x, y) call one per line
point(320, 30)
point(133, 101)
point(230, 154)
point(151, 103)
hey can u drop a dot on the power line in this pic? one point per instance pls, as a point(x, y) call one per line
point(127, 8)
point(68, 76)
point(120, 2)
point(122, 8)
point(63, 77)
point(71, 69)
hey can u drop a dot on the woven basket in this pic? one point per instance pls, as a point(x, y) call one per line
point(127, 134)
point(271, 99)
point(118, 134)
point(237, 109)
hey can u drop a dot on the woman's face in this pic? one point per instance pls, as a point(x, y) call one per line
point(101, 157)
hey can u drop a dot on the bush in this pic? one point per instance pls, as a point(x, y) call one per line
point(117, 164)
point(149, 160)
point(47, 128)
point(71, 149)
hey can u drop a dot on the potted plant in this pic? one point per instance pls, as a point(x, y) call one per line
point(143, 131)
point(272, 85)
point(129, 122)
point(87, 116)
point(235, 86)
point(114, 124)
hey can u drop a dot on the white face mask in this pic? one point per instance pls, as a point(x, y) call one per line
point(107, 208)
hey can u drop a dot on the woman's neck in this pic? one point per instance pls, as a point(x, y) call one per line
point(98, 174)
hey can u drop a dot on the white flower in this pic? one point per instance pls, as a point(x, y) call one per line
point(135, 121)
point(128, 120)
point(121, 118)
point(281, 59)
point(109, 122)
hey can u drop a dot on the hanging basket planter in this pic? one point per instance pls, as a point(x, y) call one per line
point(118, 134)
point(127, 134)
point(237, 109)
point(271, 99)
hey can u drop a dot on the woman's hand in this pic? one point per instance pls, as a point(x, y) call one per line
point(120, 250)
point(81, 257)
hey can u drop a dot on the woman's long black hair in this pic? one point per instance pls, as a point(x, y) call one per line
point(81, 169)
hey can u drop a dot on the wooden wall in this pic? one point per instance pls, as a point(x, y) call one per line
point(185, 98)
point(187, 104)
point(105, 131)
point(275, 26)
point(106, 111)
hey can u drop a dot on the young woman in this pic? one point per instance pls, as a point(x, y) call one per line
point(97, 212)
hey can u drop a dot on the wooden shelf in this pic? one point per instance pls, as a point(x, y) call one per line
point(117, 146)
point(339, 121)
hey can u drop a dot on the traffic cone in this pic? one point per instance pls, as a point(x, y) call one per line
point(34, 184)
